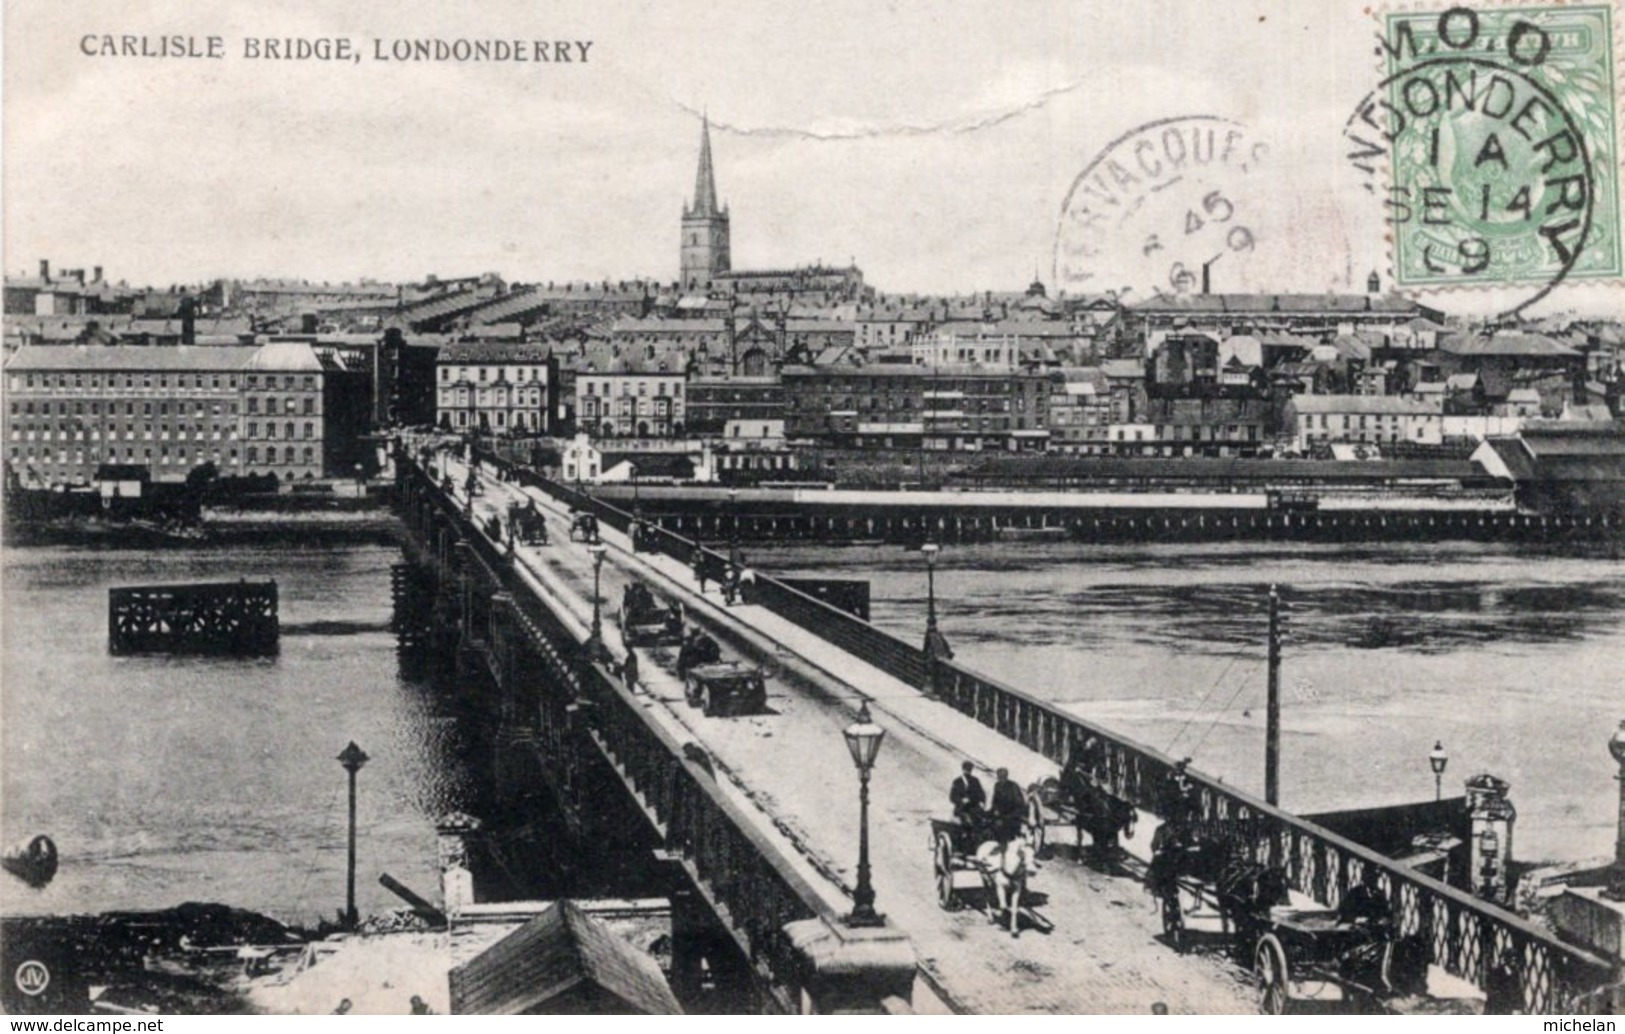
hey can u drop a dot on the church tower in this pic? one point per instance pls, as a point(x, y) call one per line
point(704, 251)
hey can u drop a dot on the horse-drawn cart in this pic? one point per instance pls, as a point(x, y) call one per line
point(1083, 805)
point(953, 851)
point(1303, 955)
point(1000, 870)
point(1210, 874)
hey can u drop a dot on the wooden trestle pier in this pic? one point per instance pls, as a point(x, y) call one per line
point(234, 618)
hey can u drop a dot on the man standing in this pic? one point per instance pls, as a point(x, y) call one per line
point(967, 797)
point(1009, 807)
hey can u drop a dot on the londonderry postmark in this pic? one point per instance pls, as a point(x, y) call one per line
point(1499, 127)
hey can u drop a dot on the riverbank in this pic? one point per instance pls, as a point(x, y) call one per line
point(367, 521)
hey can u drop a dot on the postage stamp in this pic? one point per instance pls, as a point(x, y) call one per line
point(1500, 130)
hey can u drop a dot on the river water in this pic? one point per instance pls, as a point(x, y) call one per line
point(1514, 660)
point(171, 779)
point(167, 779)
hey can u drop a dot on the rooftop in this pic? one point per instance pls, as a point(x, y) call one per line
point(134, 358)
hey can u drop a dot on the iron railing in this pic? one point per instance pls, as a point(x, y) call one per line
point(1468, 937)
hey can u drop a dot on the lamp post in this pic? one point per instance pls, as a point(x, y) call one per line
point(595, 640)
point(358, 480)
point(352, 758)
point(936, 645)
point(1616, 747)
point(1438, 759)
point(733, 522)
point(863, 738)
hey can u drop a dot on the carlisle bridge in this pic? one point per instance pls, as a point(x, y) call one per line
point(791, 889)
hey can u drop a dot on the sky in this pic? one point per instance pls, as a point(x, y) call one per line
point(933, 143)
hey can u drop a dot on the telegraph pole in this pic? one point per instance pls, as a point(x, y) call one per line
point(1272, 720)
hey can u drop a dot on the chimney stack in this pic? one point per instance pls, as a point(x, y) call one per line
point(97, 274)
point(45, 269)
point(188, 321)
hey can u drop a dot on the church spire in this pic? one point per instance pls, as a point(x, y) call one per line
point(705, 183)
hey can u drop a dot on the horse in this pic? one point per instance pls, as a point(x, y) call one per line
point(1104, 816)
point(1005, 867)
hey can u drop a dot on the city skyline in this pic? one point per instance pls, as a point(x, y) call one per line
point(933, 146)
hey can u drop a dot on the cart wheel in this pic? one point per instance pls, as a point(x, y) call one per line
point(1269, 965)
point(1173, 921)
point(942, 865)
point(708, 703)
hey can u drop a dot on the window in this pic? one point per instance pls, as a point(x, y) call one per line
point(253, 404)
point(287, 429)
point(270, 430)
point(310, 430)
point(310, 405)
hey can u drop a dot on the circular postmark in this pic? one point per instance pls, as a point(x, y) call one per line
point(32, 978)
point(1158, 206)
point(1491, 176)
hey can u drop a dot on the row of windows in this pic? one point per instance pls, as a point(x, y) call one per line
point(1344, 419)
point(127, 380)
point(291, 405)
point(27, 408)
point(512, 373)
point(460, 397)
point(94, 435)
point(289, 455)
point(308, 382)
point(499, 418)
point(270, 429)
point(603, 388)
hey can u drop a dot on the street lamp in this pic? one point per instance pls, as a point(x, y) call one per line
point(733, 519)
point(1438, 759)
point(595, 640)
point(936, 644)
point(863, 738)
point(358, 479)
point(1616, 747)
point(352, 758)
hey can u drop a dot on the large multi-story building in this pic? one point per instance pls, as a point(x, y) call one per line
point(634, 396)
point(269, 409)
point(496, 387)
point(1319, 420)
point(906, 406)
point(714, 402)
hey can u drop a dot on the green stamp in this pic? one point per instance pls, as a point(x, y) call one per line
point(1499, 125)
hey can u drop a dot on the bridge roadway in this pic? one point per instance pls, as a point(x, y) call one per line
point(792, 765)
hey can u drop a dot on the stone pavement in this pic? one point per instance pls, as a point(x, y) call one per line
point(1102, 955)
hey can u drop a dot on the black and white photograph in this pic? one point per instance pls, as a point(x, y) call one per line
point(736, 508)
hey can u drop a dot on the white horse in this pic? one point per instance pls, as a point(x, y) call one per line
point(1005, 868)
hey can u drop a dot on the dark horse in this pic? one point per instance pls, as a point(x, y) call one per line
point(1098, 812)
point(1217, 858)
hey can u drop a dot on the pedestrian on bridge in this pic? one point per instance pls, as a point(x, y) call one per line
point(697, 562)
point(967, 797)
point(1009, 807)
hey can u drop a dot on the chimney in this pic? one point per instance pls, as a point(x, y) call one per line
point(45, 269)
point(1207, 282)
point(188, 321)
point(96, 272)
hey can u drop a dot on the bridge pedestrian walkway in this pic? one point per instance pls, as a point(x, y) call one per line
point(1102, 955)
